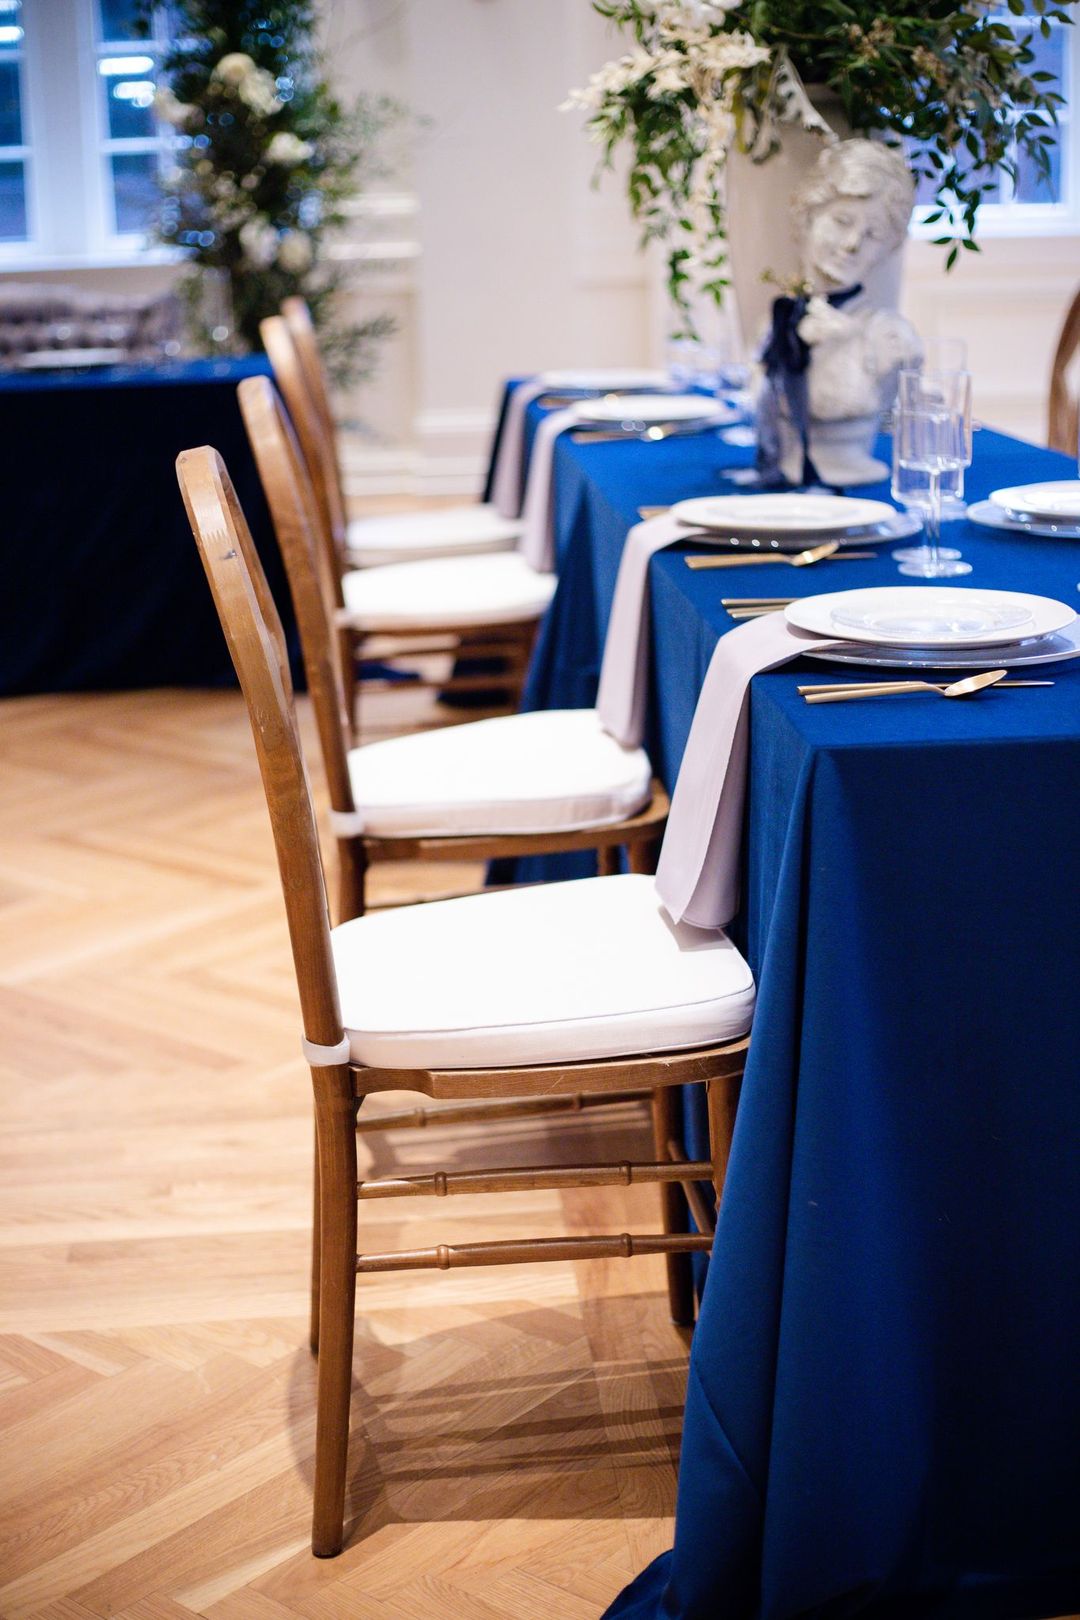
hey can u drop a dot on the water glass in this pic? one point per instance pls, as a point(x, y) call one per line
point(928, 447)
point(948, 391)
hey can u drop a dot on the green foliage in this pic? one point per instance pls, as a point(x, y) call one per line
point(265, 157)
point(951, 80)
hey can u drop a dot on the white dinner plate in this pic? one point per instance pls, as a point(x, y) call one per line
point(1060, 500)
point(989, 516)
point(900, 526)
point(1055, 649)
point(64, 359)
point(653, 408)
point(782, 513)
point(605, 377)
point(930, 616)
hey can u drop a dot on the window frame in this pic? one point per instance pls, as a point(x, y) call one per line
point(1035, 219)
point(68, 149)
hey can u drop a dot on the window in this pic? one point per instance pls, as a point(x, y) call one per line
point(1034, 204)
point(80, 149)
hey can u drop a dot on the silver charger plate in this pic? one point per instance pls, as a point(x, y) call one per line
point(1055, 649)
point(901, 527)
point(989, 516)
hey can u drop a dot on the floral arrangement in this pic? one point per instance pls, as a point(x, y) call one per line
point(949, 79)
point(264, 155)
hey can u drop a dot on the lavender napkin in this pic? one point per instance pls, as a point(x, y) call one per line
point(624, 673)
point(697, 876)
point(537, 542)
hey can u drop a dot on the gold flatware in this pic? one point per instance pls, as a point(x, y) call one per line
point(887, 686)
point(958, 689)
point(646, 512)
point(752, 613)
point(759, 601)
point(651, 434)
point(794, 559)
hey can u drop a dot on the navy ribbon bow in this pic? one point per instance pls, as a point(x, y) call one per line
point(786, 358)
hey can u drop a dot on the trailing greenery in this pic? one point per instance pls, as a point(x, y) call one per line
point(265, 155)
point(953, 80)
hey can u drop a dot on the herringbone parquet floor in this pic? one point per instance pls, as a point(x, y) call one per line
point(515, 1430)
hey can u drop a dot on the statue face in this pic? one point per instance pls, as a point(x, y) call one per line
point(844, 240)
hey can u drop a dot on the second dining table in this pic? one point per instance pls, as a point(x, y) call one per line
point(882, 1415)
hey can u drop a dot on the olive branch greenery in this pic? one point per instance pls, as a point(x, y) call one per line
point(953, 83)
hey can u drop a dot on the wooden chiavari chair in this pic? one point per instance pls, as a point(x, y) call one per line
point(1064, 413)
point(529, 993)
point(429, 766)
point(488, 605)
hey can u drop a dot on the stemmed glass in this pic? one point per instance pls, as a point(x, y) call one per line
point(941, 396)
point(928, 451)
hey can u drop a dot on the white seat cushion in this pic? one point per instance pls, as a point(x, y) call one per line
point(561, 973)
point(521, 773)
point(494, 589)
point(454, 531)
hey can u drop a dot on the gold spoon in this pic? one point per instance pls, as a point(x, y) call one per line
point(958, 689)
point(887, 686)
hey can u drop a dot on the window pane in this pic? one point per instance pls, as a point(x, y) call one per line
point(1033, 187)
point(135, 190)
point(130, 97)
point(12, 202)
point(117, 20)
point(10, 105)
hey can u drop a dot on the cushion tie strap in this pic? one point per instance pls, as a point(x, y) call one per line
point(325, 1057)
point(345, 823)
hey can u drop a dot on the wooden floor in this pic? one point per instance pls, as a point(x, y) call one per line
point(515, 1431)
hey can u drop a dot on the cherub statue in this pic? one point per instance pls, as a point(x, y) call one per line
point(832, 356)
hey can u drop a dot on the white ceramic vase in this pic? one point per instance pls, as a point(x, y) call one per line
point(761, 239)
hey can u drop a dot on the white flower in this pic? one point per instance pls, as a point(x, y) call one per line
point(288, 149)
point(295, 252)
point(259, 241)
point(171, 110)
point(258, 90)
point(234, 68)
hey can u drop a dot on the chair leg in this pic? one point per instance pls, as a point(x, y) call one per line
point(316, 1261)
point(335, 1108)
point(607, 860)
point(642, 855)
point(674, 1212)
point(723, 1100)
point(352, 876)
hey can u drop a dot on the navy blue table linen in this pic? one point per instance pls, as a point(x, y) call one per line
point(103, 587)
point(883, 1416)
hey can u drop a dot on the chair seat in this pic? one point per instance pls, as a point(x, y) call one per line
point(521, 773)
point(454, 531)
point(495, 589)
point(559, 973)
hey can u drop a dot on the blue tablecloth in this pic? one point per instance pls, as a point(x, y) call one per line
point(103, 587)
point(883, 1416)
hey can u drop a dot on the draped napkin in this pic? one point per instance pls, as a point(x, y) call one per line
point(624, 672)
point(506, 482)
point(537, 542)
point(697, 879)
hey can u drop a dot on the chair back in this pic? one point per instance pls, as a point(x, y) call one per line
point(297, 317)
point(257, 647)
point(295, 515)
point(1064, 413)
point(316, 442)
